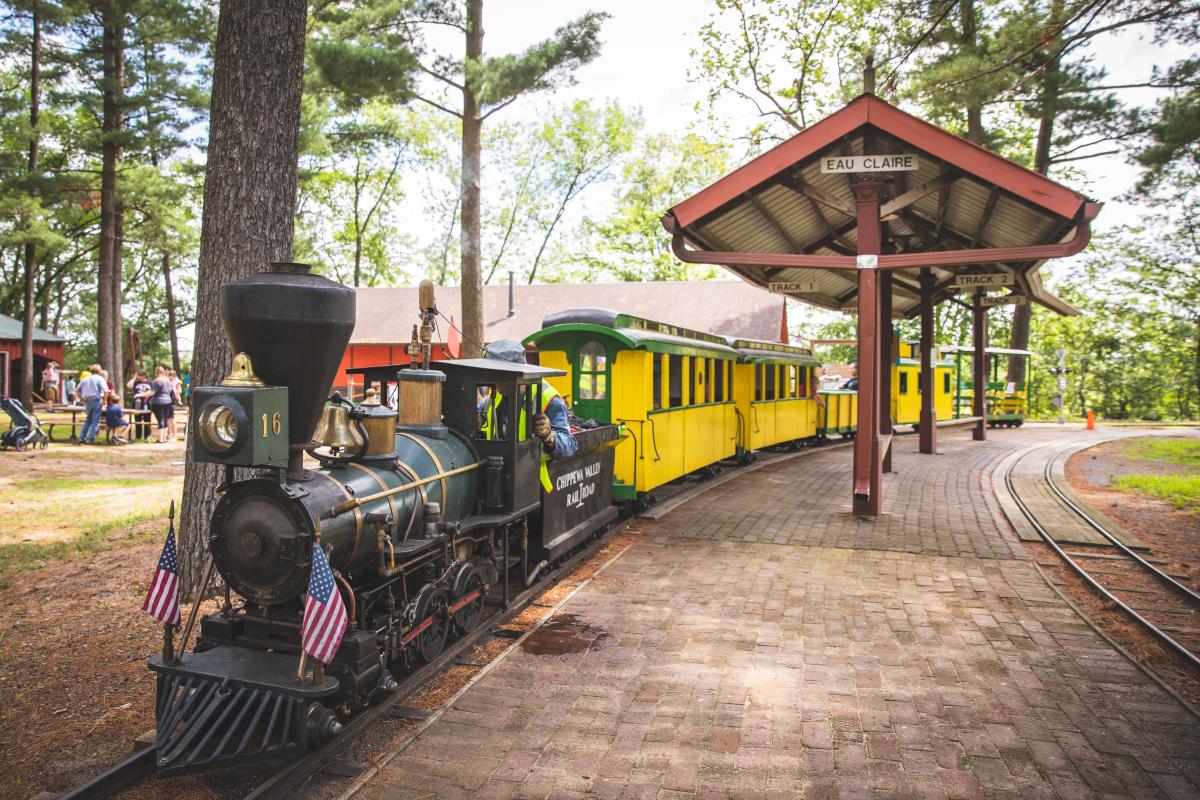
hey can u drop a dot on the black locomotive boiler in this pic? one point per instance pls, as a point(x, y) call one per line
point(424, 520)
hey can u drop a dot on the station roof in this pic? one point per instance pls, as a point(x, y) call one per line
point(961, 197)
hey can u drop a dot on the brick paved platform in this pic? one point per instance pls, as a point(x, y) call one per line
point(762, 642)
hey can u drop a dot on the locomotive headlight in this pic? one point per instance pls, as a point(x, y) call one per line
point(221, 425)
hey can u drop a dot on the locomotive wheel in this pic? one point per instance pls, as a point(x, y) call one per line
point(468, 580)
point(430, 641)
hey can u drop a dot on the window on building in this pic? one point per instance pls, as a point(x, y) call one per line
point(674, 381)
point(718, 381)
point(593, 372)
point(657, 380)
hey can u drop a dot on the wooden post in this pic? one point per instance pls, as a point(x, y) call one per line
point(928, 418)
point(886, 335)
point(868, 466)
point(979, 323)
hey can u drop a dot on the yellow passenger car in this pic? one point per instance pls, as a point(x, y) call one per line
point(774, 388)
point(671, 387)
point(906, 387)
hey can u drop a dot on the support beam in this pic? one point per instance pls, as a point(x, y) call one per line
point(928, 418)
point(993, 198)
point(913, 195)
point(979, 324)
point(797, 184)
point(868, 465)
point(885, 367)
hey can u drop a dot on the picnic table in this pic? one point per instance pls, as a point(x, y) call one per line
point(75, 424)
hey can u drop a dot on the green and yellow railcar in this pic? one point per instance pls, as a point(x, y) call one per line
point(774, 390)
point(672, 388)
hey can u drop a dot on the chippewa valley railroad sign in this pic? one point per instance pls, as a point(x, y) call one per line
point(899, 162)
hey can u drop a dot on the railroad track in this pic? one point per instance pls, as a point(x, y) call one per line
point(1170, 612)
point(139, 767)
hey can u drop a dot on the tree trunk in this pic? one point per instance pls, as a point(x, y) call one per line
point(35, 99)
point(249, 203)
point(1051, 85)
point(472, 149)
point(107, 348)
point(969, 30)
point(171, 320)
point(116, 371)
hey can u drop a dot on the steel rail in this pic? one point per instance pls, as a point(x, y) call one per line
point(1100, 529)
point(1188, 655)
point(117, 778)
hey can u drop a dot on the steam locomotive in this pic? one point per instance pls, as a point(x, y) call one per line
point(424, 519)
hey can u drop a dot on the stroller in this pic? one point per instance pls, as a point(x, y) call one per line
point(25, 430)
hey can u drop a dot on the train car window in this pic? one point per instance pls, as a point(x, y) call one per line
point(769, 388)
point(708, 379)
point(593, 372)
point(758, 381)
point(791, 374)
point(657, 379)
point(903, 381)
point(729, 380)
point(945, 383)
point(674, 381)
point(802, 382)
point(694, 377)
point(493, 412)
point(718, 380)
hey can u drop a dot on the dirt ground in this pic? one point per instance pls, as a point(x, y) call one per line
point(80, 532)
point(1172, 536)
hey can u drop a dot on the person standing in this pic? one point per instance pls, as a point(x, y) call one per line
point(142, 390)
point(92, 391)
point(162, 401)
point(50, 376)
point(68, 391)
point(176, 400)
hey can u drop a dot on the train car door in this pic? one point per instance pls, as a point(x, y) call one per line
point(592, 375)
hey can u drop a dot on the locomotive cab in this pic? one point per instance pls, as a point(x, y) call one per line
point(501, 431)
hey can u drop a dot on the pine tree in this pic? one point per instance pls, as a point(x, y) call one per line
point(485, 85)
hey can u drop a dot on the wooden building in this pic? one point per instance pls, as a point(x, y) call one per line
point(46, 347)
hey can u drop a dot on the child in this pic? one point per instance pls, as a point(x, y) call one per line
point(115, 422)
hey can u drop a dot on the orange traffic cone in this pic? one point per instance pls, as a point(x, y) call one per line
point(1091, 423)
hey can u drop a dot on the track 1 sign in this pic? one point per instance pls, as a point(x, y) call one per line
point(792, 287)
point(1003, 300)
point(900, 162)
point(977, 280)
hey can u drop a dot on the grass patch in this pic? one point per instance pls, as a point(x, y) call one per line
point(55, 484)
point(24, 556)
point(1168, 451)
point(1181, 491)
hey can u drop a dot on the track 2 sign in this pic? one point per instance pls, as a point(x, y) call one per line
point(900, 162)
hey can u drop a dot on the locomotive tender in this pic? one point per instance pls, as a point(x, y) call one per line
point(423, 520)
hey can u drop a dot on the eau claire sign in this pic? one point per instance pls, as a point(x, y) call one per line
point(899, 162)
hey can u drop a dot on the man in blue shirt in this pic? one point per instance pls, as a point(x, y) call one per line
point(92, 391)
point(551, 426)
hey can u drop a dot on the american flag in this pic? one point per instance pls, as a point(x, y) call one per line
point(325, 616)
point(162, 600)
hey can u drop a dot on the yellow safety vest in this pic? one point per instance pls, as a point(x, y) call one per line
point(491, 430)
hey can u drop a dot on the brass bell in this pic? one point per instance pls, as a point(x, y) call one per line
point(335, 430)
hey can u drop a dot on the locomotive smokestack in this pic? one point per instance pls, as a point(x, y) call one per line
point(295, 327)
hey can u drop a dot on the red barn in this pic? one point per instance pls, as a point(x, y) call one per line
point(386, 315)
point(46, 347)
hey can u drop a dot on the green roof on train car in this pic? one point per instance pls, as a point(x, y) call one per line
point(758, 351)
point(633, 333)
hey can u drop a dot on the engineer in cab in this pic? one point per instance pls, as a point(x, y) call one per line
point(550, 425)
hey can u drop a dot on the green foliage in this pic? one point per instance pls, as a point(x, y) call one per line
point(630, 245)
point(544, 65)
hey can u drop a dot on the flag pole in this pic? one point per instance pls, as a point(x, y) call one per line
point(168, 649)
point(300, 672)
point(187, 630)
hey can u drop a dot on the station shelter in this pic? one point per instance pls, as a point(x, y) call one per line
point(876, 212)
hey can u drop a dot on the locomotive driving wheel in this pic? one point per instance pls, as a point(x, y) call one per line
point(434, 604)
point(468, 581)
